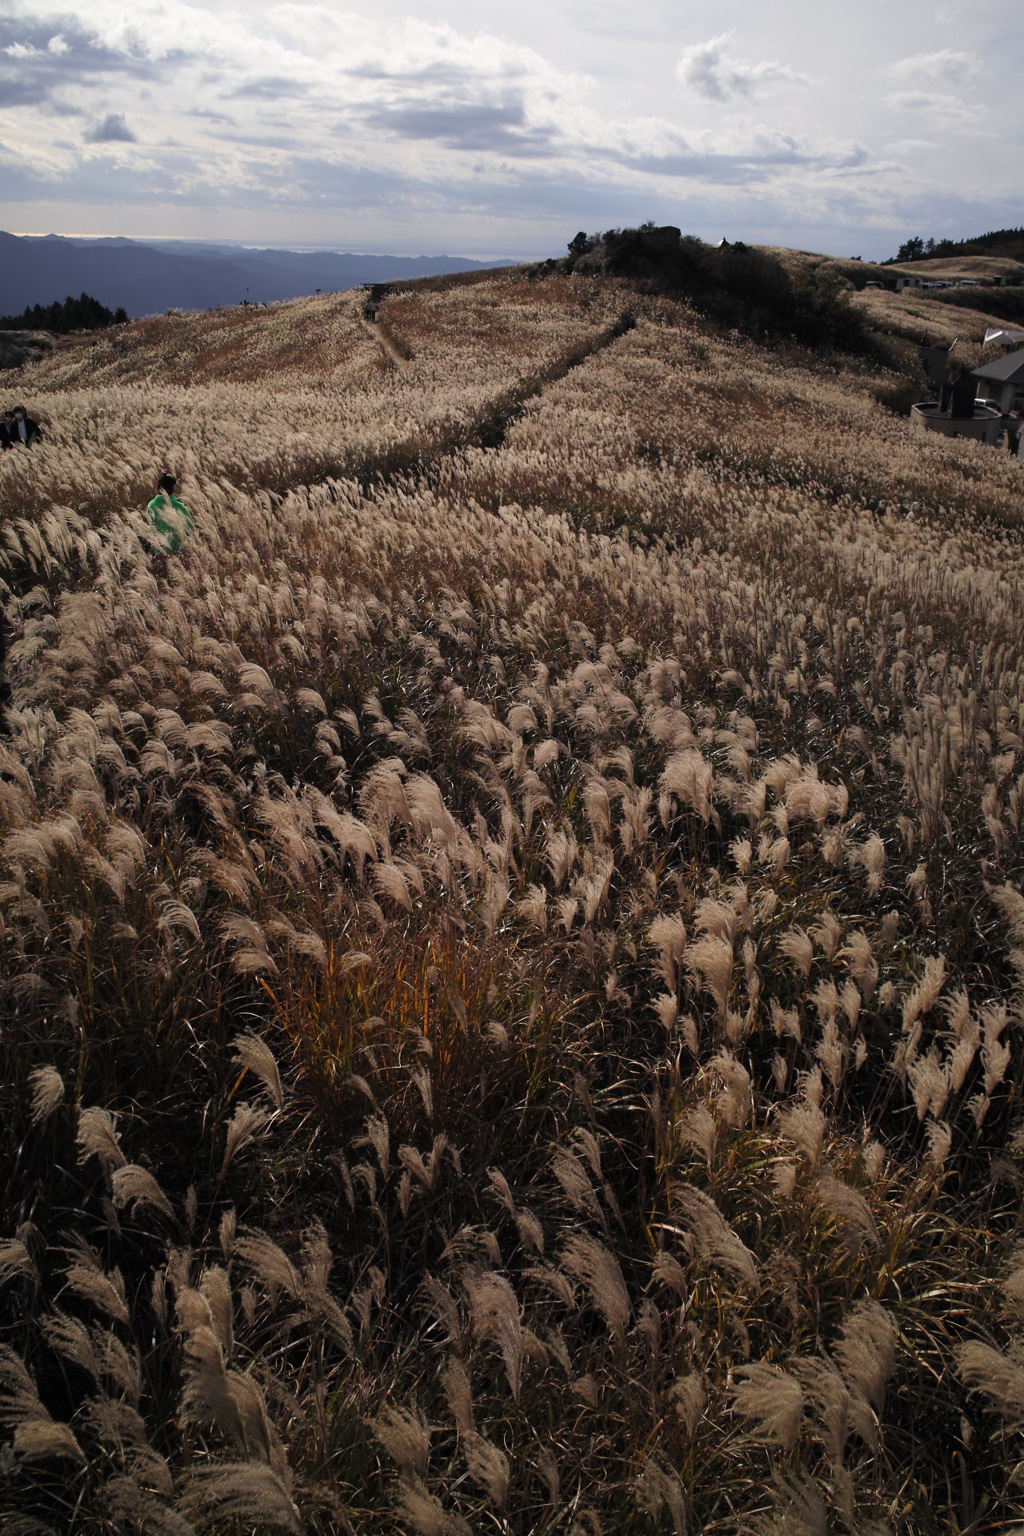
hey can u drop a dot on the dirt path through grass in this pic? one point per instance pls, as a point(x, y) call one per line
point(401, 358)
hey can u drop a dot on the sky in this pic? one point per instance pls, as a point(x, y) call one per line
point(501, 128)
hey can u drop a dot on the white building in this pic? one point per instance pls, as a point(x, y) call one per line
point(1002, 382)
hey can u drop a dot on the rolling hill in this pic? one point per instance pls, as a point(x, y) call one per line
point(997, 244)
point(511, 946)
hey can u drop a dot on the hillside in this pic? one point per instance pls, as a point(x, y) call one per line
point(512, 945)
point(934, 319)
point(963, 264)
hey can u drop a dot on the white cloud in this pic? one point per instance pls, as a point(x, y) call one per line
point(416, 98)
point(930, 89)
point(333, 113)
point(946, 65)
point(112, 130)
point(710, 70)
point(935, 107)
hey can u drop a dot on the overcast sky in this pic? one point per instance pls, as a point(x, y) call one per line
point(502, 128)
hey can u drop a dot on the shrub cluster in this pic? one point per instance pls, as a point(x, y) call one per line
point(1005, 303)
point(734, 284)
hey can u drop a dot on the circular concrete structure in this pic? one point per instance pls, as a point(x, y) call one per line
point(985, 426)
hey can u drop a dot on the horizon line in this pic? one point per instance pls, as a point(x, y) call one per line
point(254, 245)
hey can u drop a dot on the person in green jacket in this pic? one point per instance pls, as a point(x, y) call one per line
point(170, 517)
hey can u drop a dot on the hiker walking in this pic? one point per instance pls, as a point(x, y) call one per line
point(19, 429)
point(171, 519)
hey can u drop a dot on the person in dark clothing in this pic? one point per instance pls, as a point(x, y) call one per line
point(21, 430)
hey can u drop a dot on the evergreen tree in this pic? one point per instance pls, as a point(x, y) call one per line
point(81, 314)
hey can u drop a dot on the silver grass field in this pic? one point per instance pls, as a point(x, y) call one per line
point(512, 948)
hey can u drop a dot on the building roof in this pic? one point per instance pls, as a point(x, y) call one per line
point(1006, 370)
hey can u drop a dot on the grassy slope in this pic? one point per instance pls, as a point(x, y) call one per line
point(959, 266)
point(511, 1007)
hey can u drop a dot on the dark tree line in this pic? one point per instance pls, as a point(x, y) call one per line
point(81, 314)
point(997, 242)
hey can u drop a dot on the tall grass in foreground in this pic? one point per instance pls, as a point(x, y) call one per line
point(512, 972)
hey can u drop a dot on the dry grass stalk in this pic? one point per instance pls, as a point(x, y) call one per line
point(589, 822)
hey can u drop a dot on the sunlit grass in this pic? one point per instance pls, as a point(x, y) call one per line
point(512, 946)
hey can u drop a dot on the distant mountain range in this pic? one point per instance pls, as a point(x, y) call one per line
point(148, 278)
